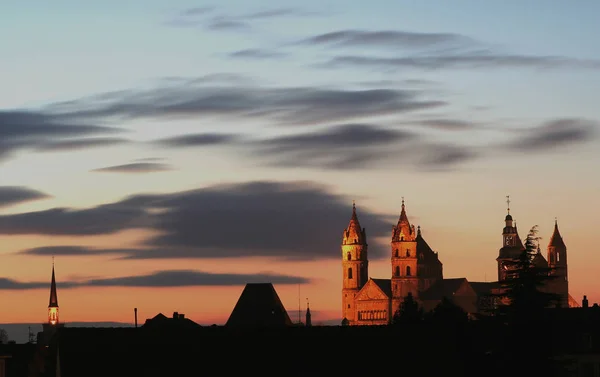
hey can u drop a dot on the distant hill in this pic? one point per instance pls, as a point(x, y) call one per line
point(19, 332)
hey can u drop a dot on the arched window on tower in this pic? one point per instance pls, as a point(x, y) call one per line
point(397, 273)
point(349, 256)
point(349, 273)
point(407, 270)
point(408, 252)
point(397, 253)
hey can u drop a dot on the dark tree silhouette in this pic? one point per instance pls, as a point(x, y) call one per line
point(3, 336)
point(409, 311)
point(449, 313)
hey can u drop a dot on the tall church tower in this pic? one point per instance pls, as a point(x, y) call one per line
point(53, 305)
point(404, 260)
point(512, 246)
point(557, 261)
point(355, 265)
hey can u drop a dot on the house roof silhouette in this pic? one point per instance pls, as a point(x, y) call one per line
point(259, 306)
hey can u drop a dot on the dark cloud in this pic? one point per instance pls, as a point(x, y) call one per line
point(135, 167)
point(75, 144)
point(447, 124)
point(226, 23)
point(292, 106)
point(195, 140)
point(190, 278)
point(103, 219)
point(555, 134)
point(30, 129)
point(295, 220)
point(257, 53)
point(348, 146)
point(163, 279)
point(386, 38)
point(11, 195)
point(72, 251)
point(443, 157)
point(465, 60)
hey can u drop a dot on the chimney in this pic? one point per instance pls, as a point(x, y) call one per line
point(585, 302)
point(135, 315)
point(181, 316)
point(175, 315)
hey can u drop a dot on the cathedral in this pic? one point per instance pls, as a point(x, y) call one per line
point(417, 270)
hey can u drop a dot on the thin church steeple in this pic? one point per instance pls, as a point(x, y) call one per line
point(53, 303)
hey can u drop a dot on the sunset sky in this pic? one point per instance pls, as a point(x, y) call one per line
point(168, 152)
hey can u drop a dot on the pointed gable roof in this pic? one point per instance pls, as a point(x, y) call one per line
point(423, 248)
point(53, 296)
point(354, 234)
point(556, 240)
point(385, 285)
point(259, 306)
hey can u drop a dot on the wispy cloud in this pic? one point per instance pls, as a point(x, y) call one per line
point(77, 144)
point(350, 146)
point(555, 134)
point(135, 167)
point(11, 195)
point(462, 60)
point(280, 105)
point(387, 39)
point(25, 129)
point(211, 18)
point(195, 140)
point(163, 279)
point(257, 53)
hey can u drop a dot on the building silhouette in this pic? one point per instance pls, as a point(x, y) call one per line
point(417, 270)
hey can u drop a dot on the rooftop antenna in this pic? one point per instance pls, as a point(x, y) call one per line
point(31, 337)
point(299, 314)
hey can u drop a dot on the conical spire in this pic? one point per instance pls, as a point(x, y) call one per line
point(403, 231)
point(53, 296)
point(556, 239)
point(354, 234)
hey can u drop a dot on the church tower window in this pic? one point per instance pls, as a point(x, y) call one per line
point(397, 253)
point(407, 270)
point(349, 273)
point(397, 270)
point(349, 256)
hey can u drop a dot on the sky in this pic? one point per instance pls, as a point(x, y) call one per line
point(165, 153)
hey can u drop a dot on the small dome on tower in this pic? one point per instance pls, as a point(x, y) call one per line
point(508, 217)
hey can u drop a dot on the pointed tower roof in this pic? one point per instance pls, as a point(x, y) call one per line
point(556, 240)
point(354, 234)
point(53, 296)
point(403, 231)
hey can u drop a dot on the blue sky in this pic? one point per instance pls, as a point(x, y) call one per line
point(451, 104)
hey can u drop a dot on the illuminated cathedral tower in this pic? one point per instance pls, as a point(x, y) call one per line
point(557, 261)
point(404, 260)
point(355, 264)
point(53, 304)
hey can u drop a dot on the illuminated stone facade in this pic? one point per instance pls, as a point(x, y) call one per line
point(414, 269)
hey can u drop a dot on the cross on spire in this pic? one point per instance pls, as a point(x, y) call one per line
point(508, 203)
